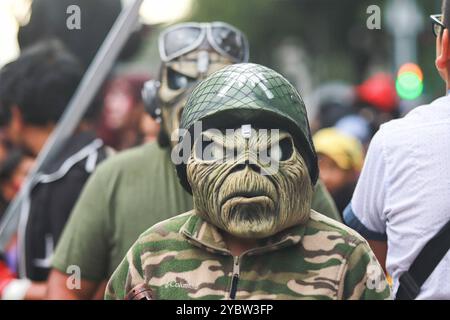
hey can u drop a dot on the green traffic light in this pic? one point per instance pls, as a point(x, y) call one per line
point(409, 86)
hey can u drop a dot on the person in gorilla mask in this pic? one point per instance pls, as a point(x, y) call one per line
point(246, 156)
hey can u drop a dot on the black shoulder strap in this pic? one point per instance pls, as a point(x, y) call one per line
point(412, 280)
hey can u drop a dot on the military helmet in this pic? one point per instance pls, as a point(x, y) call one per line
point(249, 93)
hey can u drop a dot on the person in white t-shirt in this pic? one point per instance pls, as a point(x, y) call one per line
point(402, 198)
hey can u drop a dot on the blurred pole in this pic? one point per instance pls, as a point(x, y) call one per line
point(404, 22)
point(92, 80)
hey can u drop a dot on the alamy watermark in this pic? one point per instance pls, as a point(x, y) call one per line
point(73, 282)
point(375, 278)
point(73, 21)
point(374, 20)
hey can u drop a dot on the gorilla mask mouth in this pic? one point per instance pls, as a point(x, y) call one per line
point(247, 197)
point(250, 217)
point(250, 211)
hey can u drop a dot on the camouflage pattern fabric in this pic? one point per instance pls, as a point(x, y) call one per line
point(186, 258)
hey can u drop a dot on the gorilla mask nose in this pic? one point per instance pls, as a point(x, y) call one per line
point(242, 166)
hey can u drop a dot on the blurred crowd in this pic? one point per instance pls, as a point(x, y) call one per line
point(35, 88)
point(348, 115)
point(347, 118)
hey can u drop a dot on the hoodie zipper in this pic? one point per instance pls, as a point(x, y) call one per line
point(235, 278)
point(236, 269)
point(236, 261)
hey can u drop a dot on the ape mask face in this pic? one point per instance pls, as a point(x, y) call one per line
point(179, 77)
point(189, 53)
point(249, 185)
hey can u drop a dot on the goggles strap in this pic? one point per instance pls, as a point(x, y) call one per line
point(203, 62)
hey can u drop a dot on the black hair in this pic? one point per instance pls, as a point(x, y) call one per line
point(11, 162)
point(40, 83)
point(446, 12)
point(48, 20)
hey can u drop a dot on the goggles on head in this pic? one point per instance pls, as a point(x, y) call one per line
point(186, 37)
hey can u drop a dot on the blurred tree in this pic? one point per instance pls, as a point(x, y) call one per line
point(333, 33)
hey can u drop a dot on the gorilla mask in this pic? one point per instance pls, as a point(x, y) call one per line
point(249, 184)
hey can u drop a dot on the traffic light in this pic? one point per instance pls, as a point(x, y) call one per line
point(409, 82)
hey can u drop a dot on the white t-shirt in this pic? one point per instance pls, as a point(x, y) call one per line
point(403, 193)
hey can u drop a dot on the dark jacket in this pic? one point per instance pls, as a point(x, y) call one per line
point(51, 200)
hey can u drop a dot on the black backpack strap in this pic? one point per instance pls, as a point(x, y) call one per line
point(412, 280)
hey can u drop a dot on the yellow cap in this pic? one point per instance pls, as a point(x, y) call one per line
point(345, 150)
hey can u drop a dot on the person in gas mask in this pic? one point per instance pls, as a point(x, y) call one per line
point(247, 157)
point(138, 188)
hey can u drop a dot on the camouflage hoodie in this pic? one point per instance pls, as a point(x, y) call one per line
point(186, 258)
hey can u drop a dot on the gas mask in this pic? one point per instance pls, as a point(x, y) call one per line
point(189, 52)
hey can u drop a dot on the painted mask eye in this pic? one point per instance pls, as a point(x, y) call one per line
point(281, 151)
point(177, 81)
point(215, 152)
point(275, 152)
point(210, 151)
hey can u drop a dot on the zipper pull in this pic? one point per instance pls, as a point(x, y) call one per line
point(235, 279)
